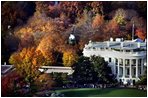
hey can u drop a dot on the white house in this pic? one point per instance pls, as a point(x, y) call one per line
point(127, 59)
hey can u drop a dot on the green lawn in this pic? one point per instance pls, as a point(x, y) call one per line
point(108, 92)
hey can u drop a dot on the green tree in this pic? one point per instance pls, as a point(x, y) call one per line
point(58, 79)
point(92, 70)
point(143, 79)
point(104, 73)
point(83, 71)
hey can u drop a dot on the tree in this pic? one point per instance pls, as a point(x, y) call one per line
point(141, 34)
point(97, 21)
point(104, 73)
point(44, 82)
point(120, 16)
point(92, 69)
point(143, 79)
point(58, 79)
point(8, 84)
point(111, 29)
point(83, 71)
point(27, 62)
point(69, 58)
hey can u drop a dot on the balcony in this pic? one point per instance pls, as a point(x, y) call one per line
point(120, 64)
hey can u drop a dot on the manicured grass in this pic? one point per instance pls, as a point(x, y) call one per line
point(108, 92)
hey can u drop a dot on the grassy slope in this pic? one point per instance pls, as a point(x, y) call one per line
point(110, 92)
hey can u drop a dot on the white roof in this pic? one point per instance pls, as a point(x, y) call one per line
point(127, 45)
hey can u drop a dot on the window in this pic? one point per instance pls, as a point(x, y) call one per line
point(127, 71)
point(121, 62)
point(116, 69)
point(110, 60)
point(126, 62)
point(139, 70)
point(134, 62)
point(134, 71)
point(116, 61)
point(139, 62)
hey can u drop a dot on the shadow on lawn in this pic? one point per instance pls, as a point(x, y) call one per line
point(85, 92)
point(110, 92)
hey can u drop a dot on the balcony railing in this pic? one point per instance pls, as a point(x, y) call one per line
point(121, 64)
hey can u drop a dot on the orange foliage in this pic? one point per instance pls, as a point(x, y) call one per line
point(28, 61)
point(141, 34)
point(111, 29)
point(98, 21)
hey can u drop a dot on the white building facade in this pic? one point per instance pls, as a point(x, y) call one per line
point(127, 59)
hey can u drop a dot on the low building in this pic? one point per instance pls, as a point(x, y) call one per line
point(127, 59)
point(5, 69)
point(56, 69)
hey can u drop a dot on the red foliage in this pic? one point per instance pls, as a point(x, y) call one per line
point(8, 84)
point(141, 34)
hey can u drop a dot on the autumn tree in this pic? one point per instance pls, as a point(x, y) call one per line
point(13, 14)
point(27, 62)
point(120, 16)
point(141, 34)
point(139, 22)
point(44, 82)
point(16, 13)
point(50, 45)
point(69, 58)
point(8, 84)
point(84, 28)
point(111, 29)
point(97, 21)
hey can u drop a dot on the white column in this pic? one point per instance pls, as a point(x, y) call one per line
point(136, 68)
point(114, 65)
point(123, 68)
point(118, 73)
point(130, 62)
point(142, 64)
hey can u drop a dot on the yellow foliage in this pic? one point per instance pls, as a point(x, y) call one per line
point(28, 61)
point(69, 58)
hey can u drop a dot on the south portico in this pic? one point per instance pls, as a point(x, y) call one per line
point(126, 70)
point(127, 59)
